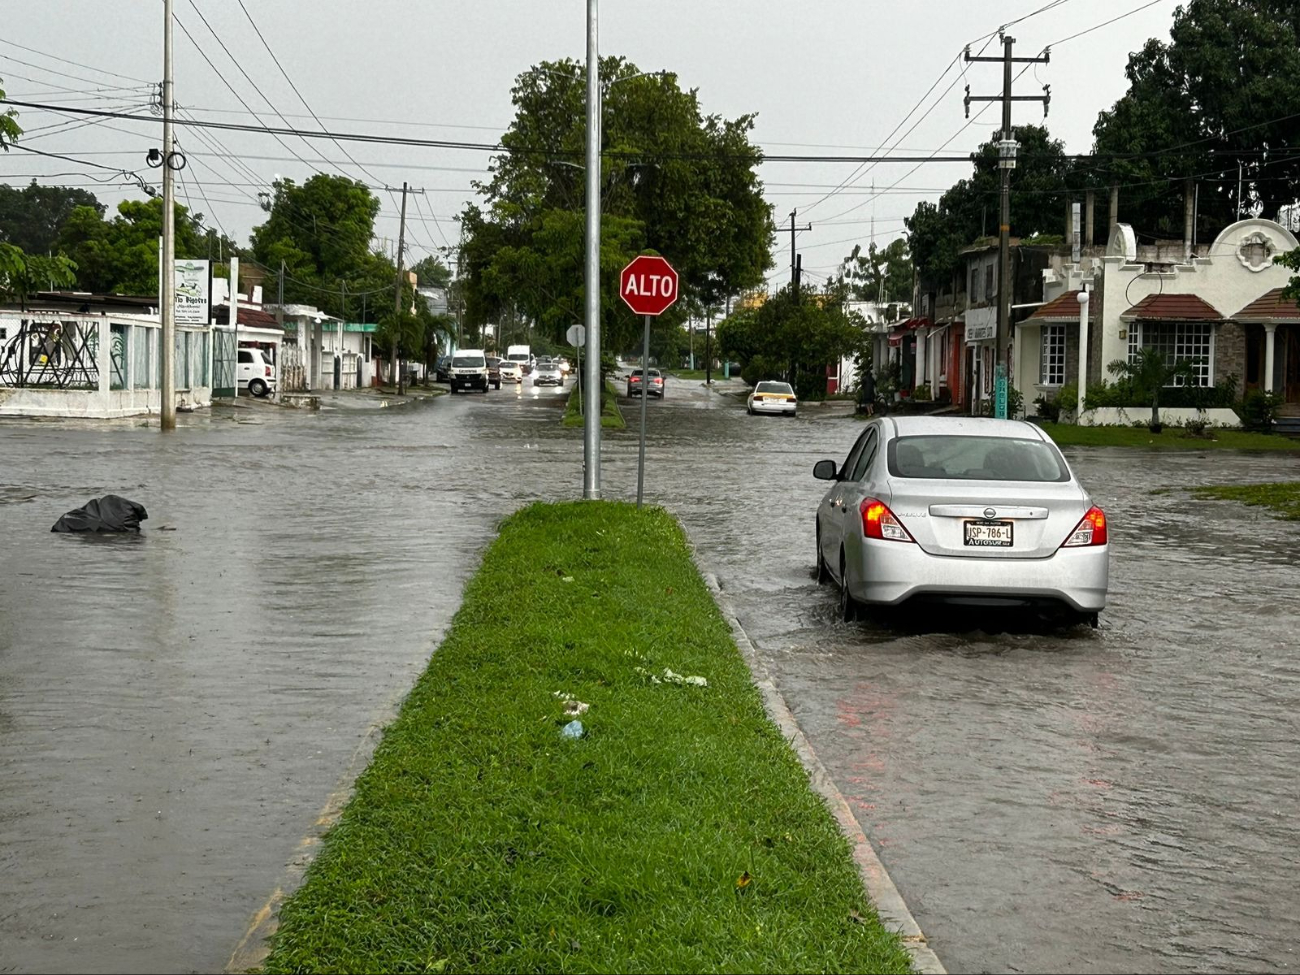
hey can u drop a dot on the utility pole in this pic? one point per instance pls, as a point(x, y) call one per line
point(794, 278)
point(1007, 147)
point(591, 420)
point(397, 299)
point(167, 294)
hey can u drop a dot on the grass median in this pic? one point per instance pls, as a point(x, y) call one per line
point(1282, 498)
point(679, 834)
point(1171, 438)
point(611, 416)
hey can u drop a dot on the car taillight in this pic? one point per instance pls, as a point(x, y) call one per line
point(268, 370)
point(879, 522)
point(1091, 530)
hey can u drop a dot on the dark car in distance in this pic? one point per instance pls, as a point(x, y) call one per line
point(494, 371)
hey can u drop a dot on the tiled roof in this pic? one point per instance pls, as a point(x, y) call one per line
point(248, 315)
point(1271, 306)
point(1174, 308)
point(1066, 307)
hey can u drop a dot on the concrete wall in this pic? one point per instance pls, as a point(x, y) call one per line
point(1170, 416)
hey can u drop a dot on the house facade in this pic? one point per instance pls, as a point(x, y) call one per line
point(1221, 309)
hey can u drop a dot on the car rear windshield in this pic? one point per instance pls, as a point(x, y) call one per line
point(468, 362)
point(774, 388)
point(974, 458)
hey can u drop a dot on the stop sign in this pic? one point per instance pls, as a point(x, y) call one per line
point(648, 285)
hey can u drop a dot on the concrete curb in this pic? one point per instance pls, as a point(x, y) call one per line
point(255, 945)
point(889, 903)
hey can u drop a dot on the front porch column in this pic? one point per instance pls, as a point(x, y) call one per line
point(1270, 343)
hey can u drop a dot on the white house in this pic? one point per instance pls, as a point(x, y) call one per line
point(1221, 310)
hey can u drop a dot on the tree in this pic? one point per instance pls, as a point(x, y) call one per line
point(879, 274)
point(432, 272)
point(9, 130)
point(31, 217)
point(22, 274)
point(322, 231)
point(792, 336)
point(121, 255)
point(1291, 259)
point(1041, 183)
point(674, 181)
point(1147, 374)
point(1222, 93)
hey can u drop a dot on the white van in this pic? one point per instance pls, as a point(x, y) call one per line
point(469, 370)
point(256, 374)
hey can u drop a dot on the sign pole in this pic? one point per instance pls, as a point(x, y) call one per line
point(645, 395)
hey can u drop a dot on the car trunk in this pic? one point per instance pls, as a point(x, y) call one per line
point(1038, 516)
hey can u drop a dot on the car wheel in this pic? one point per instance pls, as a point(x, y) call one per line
point(258, 387)
point(823, 573)
point(848, 605)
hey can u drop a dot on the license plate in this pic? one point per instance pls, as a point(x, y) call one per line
point(989, 533)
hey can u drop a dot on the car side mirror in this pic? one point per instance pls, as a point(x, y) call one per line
point(826, 470)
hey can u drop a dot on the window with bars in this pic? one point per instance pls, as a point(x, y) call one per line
point(1051, 371)
point(1177, 342)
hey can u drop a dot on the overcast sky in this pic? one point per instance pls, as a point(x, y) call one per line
point(823, 76)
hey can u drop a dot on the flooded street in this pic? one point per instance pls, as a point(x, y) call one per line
point(176, 709)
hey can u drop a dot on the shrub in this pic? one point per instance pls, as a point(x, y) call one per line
point(1015, 403)
point(922, 393)
point(1258, 410)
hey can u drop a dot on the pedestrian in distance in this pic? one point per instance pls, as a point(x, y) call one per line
point(868, 393)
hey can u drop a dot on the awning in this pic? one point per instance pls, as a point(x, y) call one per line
point(902, 328)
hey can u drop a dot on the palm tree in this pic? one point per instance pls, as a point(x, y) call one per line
point(1147, 374)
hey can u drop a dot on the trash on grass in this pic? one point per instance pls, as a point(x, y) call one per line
point(572, 730)
point(672, 677)
point(574, 708)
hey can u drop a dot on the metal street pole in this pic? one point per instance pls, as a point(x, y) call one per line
point(645, 395)
point(591, 421)
point(234, 320)
point(167, 294)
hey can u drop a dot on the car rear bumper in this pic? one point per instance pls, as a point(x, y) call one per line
point(889, 573)
point(763, 406)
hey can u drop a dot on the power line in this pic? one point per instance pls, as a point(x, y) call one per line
point(77, 64)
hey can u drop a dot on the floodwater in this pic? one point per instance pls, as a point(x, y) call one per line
point(176, 708)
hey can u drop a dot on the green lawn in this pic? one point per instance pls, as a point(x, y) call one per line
point(1172, 438)
point(679, 835)
point(1282, 498)
point(611, 416)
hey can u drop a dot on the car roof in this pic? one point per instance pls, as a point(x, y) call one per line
point(470, 352)
point(964, 426)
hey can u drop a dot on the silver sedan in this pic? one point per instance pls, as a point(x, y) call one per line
point(966, 511)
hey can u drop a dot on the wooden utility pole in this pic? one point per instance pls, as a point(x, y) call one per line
point(1007, 147)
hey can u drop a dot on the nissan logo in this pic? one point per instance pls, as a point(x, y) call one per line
point(990, 513)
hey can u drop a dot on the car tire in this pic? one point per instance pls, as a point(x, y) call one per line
point(823, 573)
point(848, 611)
point(258, 387)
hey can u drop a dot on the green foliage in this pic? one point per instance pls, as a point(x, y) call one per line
point(1291, 259)
point(791, 337)
point(322, 231)
point(937, 232)
point(9, 129)
point(22, 274)
point(1015, 403)
point(1051, 408)
point(699, 203)
point(431, 272)
point(120, 256)
point(883, 274)
point(1125, 393)
point(611, 417)
point(922, 393)
point(31, 217)
point(1225, 85)
point(1258, 410)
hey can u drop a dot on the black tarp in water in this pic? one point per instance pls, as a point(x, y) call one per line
point(107, 514)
